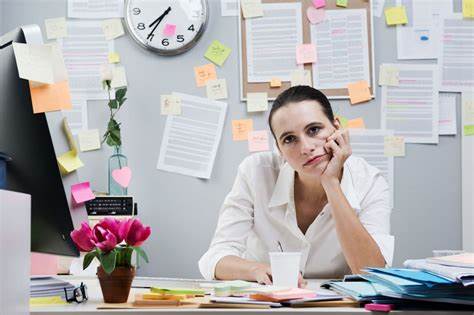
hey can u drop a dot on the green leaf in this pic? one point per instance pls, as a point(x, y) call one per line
point(108, 261)
point(88, 259)
point(122, 101)
point(113, 136)
point(120, 93)
point(113, 104)
point(141, 253)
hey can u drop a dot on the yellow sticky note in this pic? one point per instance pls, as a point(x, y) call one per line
point(112, 28)
point(204, 73)
point(216, 89)
point(356, 123)
point(388, 75)
point(343, 120)
point(241, 128)
point(468, 8)
point(394, 146)
point(56, 28)
point(50, 97)
point(396, 15)
point(359, 92)
point(257, 102)
point(217, 52)
point(469, 130)
point(114, 57)
point(300, 77)
point(170, 105)
point(275, 83)
point(341, 3)
point(89, 140)
point(46, 301)
point(69, 162)
point(251, 8)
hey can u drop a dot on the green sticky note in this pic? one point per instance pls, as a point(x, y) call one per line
point(217, 52)
point(341, 3)
point(469, 130)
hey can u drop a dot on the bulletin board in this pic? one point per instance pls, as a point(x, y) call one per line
point(252, 87)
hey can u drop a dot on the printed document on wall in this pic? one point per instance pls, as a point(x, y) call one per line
point(419, 38)
point(85, 50)
point(447, 114)
point(272, 40)
point(77, 116)
point(457, 54)
point(190, 141)
point(230, 8)
point(411, 109)
point(95, 9)
point(343, 49)
point(369, 144)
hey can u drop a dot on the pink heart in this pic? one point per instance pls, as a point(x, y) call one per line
point(122, 176)
point(315, 16)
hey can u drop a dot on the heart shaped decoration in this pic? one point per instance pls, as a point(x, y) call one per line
point(122, 176)
point(314, 15)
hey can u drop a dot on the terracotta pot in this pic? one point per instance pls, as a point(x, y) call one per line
point(116, 286)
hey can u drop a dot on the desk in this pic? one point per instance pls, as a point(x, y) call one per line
point(95, 299)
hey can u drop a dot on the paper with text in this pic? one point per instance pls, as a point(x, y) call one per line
point(241, 129)
point(230, 7)
point(95, 9)
point(258, 141)
point(216, 89)
point(394, 146)
point(170, 105)
point(388, 75)
point(447, 114)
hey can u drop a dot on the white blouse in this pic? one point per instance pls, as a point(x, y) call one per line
point(260, 211)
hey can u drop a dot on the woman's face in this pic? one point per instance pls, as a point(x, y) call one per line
point(301, 130)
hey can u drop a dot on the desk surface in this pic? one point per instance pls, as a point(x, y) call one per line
point(95, 299)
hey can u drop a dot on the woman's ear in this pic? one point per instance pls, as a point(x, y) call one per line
point(337, 123)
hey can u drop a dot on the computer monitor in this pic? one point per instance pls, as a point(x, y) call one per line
point(33, 141)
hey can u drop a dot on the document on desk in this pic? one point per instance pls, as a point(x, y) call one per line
point(369, 144)
point(411, 109)
point(85, 50)
point(190, 141)
point(447, 114)
point(95, 9)
point(343, 49)
point(272, 40)
point(77, 116)
point(419, 38)
point(456, 56)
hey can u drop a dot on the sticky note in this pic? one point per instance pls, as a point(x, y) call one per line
point(241, 128)
point(112, 28)
point(357, 123)
point(396, 15)
point(275, 83)
point(119, 78)
point(114, 57)
point(69, 162)
point(204, 73)
point(258, 141)
point(82, 192)
point(468, 130)
point(394, 146)
point(48, 300)
point(257, 102)
point(56, 28)
point(122, 176)
point(251, 8)
point(314, 15)
point(341, 3)
point(359, 92)
point(69, 137)
point(343, 120)
point(319, 3)
point(301, 77)
point(305, 53)
point(89, 140)
point(50, 97)
point(468, 8)
point(170, 105)
point(216, 89)
point(169, 30)
point(217, 52)
point(388, 75)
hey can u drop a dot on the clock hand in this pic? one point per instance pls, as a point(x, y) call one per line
point(157, 22)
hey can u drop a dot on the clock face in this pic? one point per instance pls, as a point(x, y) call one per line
point(168, 27)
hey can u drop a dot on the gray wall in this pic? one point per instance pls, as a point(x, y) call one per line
point(182, 211)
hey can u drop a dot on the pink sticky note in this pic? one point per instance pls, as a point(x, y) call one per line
point(315, 16)
point(169, 30)
point(305, 53)
point(43, 264)
point(122, 176)
point(319, 3)
point(82, 192)
point(258, 141)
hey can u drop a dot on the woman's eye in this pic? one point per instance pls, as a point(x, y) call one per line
point(313, 131)
point(289, 139)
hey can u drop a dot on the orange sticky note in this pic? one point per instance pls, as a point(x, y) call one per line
point(50, 97)
point(241, 128)
point(205, 73)
point(258, 141)
point(275, 83)
point(356, 123)
point(359, 92)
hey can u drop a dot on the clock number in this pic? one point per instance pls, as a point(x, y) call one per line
point(165, 42)
point(136, 11)
point(141, 26)
point(180, 38)
point(191, 28)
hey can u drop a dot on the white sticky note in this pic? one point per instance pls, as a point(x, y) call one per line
point(56, 28)
point(170, 105)
point(388, 75)
point(394, 146)
point(216, 89)
point(300, 77)
point(112, 28)
point(89, 140)
point(251, 8)
point(257, 102)
point(119, 78)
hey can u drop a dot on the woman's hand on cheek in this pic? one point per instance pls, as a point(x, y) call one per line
point(338, 146)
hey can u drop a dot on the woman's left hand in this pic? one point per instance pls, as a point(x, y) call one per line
point(339, 147)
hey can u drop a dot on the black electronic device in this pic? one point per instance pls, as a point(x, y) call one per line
point(110, 205)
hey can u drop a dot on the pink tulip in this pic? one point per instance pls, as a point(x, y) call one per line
point(134, 232)
point(103, 238)
point(83, 237)
point(113, 225)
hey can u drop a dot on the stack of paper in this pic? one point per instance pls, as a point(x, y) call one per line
point(460, 274)
point(49, 286)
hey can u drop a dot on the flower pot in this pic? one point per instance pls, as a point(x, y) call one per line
point(116, 286)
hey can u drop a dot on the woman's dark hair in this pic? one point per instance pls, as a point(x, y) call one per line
point(297, 94)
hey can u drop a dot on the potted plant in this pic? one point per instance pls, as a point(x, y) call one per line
point(113, 242)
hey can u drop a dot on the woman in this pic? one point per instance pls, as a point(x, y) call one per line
point(314, 198)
